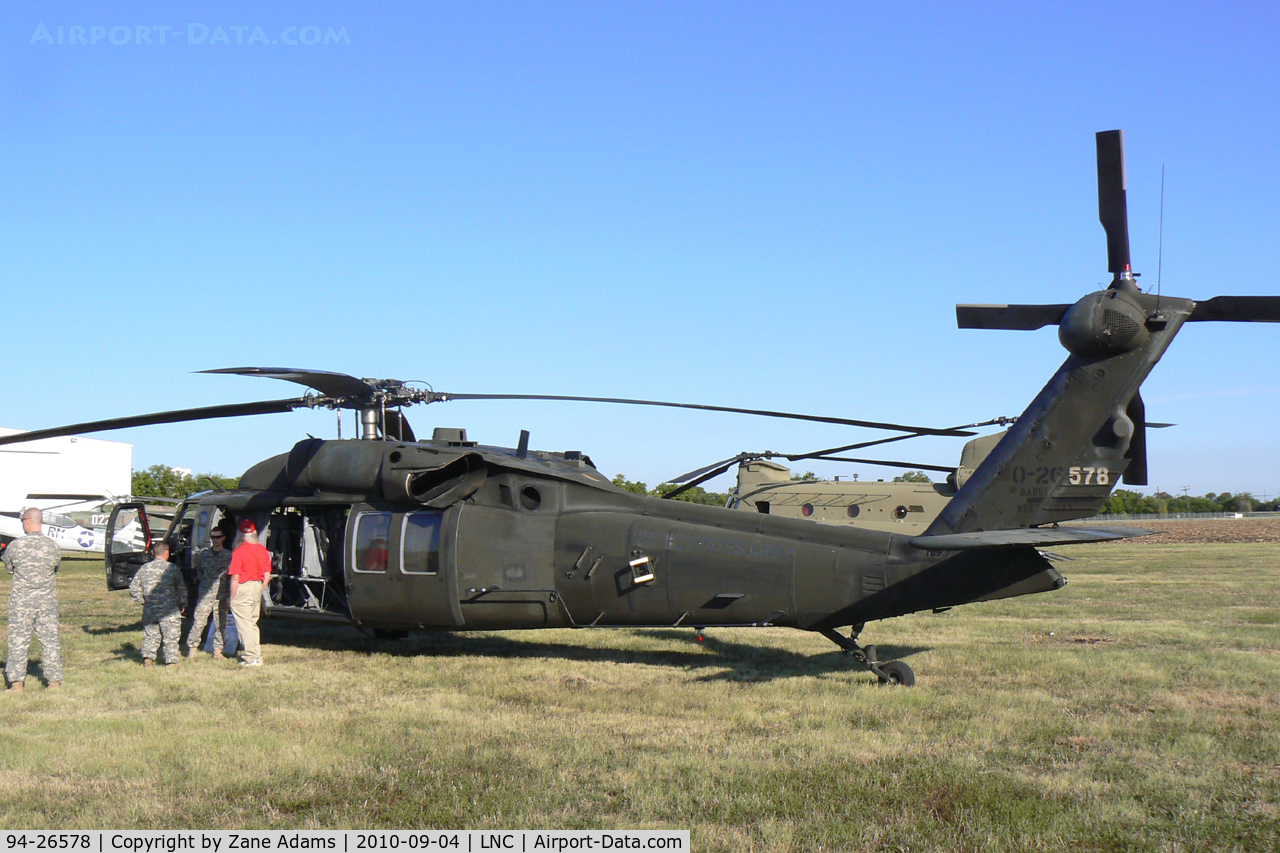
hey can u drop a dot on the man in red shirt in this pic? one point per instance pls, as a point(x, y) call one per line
point(250, 572)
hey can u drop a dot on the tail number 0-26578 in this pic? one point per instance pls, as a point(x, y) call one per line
point(1085, 476)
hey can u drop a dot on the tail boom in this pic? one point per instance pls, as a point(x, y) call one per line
point(1068, 450)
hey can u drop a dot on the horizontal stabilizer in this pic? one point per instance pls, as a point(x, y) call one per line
point(1238, 309)
point(1017, 317)
point(1034, 536)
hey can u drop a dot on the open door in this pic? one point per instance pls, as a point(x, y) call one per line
point(128, 544)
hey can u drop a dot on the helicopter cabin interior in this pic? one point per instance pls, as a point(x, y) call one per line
point(329, 563)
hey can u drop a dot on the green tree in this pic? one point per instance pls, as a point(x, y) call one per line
point(912, 477)
point(805, 477)
point(696, 495)
point(161, 481)
point(630, 485)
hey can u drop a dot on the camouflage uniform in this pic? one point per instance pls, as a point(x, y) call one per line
point(33, 561)
point(215, 588)
point(159, 588)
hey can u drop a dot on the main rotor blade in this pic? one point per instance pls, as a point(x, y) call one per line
point(1113, 206)
point(265, 407)
point(324, 381)
point(914, 430)
point(1238, 309)
point(1018, 317)
point(396, 425)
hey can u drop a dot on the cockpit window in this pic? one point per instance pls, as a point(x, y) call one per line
point(373, 532)
point(421, 543)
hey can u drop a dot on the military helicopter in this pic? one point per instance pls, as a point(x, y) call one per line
point(903, 507)
point(393, 534)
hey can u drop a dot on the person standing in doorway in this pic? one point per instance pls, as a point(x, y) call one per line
point(211, 564)
point(250, 573)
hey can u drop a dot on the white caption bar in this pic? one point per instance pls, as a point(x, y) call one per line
point(345, 841)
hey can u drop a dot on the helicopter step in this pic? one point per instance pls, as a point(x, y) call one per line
point(889, 672)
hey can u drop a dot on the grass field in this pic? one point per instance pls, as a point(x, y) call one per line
point(1137, 709)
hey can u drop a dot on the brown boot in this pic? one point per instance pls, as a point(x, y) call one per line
point(17, 687)
point(55, 685)
point(192, 654)
point(148, 662)
point(217, 655)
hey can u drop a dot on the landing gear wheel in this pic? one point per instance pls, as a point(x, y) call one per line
point(892, 672)
point(897, 672)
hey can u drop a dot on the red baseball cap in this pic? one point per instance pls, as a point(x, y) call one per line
point(247, 526)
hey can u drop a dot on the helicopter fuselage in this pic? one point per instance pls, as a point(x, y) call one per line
point(434, 536)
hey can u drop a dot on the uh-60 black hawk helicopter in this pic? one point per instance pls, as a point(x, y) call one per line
point(392, 534)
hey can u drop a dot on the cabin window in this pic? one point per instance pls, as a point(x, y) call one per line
point(373, 532)
point(806, 510)
point(420, 543)
point(854, 510)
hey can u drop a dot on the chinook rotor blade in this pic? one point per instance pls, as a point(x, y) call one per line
point(699, 481)
point(1238, 309)
point(914, 430)
point(264, 407)
point(945, 469)
point(719, 467)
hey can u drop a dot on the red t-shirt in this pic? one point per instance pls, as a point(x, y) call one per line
point(251, 562)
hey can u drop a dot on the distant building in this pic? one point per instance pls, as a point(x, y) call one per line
point(57, 472)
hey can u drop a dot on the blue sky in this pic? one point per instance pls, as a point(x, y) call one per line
point(743, 204)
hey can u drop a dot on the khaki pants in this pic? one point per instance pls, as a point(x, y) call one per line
point(245, 606)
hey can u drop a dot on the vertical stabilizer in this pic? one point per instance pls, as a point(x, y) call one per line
point(1069, 449)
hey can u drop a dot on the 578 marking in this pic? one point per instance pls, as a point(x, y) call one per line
point(1078, 475)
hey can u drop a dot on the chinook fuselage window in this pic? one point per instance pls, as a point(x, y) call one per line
point(373, 533)
point(420, 543)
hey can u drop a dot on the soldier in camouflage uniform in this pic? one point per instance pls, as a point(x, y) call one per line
point(159, 588)
point(211, 565)
point(33, 561)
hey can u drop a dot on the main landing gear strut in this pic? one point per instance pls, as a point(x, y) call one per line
point(890, 672)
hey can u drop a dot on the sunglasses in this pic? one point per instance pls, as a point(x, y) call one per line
point(216, 536)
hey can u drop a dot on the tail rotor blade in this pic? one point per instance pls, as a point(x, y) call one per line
point(1017, 317)
point(1238, 309)
point(1113, 206)
point(1136, 472)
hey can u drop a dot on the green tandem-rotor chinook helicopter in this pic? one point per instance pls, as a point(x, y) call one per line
point(391, 534)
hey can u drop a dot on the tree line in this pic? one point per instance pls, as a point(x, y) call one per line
point(1125, 501)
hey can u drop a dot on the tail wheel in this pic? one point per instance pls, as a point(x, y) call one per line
point(897, 672)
